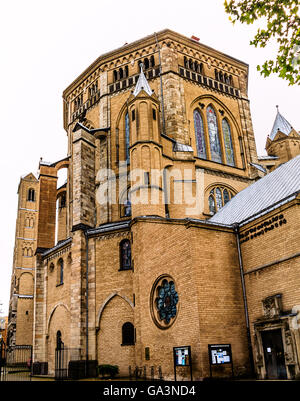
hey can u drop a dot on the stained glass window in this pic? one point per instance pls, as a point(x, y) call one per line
point(219, 198)
point(215, 148)
point(225, 196)
point(127, 138)
point(211, 204)
point(199, 132)
point(228, 142)
point(125, 255)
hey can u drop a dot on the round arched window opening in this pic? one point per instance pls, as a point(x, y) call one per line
point(164, 302)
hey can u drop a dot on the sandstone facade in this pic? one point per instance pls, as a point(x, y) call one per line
point(97, 284)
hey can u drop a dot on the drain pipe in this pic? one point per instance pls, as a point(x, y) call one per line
point(87, 303)
point(250, 350)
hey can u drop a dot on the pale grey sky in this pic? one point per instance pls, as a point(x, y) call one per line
point(46, 44)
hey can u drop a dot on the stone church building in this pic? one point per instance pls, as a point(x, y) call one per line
point(170, 230)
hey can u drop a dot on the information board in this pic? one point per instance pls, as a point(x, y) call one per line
point(182, 356)
point(219, 354)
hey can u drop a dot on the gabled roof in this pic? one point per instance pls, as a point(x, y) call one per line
point(281, 185)
point(142, 84)
point(280, 124)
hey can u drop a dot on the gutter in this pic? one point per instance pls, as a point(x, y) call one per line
point(87, 304)
point(250, 349)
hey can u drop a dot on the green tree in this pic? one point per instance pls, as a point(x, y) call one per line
point(282, 23)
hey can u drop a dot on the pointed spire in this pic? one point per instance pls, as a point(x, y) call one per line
point(142, 83)
point(280, 124)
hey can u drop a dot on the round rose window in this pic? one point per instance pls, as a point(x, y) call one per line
point(164, 302)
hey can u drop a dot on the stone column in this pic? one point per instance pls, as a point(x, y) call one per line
point(83, 208)
point(39, 312)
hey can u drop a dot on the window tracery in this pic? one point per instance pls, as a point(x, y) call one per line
point(218, 197)
point(199, 131)
point(127, 138)
point(228, 142)
point(215, 148)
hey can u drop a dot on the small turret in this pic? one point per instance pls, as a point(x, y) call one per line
point(145, 151)
point(283, 143)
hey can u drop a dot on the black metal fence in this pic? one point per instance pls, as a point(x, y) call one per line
point(145, 373)
point(69, 364)
point(15, 362)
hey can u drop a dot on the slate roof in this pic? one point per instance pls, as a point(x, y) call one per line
point(279, 186)
point(280, 124)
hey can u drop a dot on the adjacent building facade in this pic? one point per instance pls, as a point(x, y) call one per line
point(135, 254)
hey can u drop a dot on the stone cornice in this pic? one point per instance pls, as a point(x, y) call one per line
point(147, 41)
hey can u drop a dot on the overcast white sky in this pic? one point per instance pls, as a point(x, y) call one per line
point(46, 44)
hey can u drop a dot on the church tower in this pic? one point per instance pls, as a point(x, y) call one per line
point(20, 322)
point(283, 143)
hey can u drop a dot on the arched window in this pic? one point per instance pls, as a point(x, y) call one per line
point(215, 148)
point(127, 334)
point(199, 132)
point(228, 142)
point(120, 73)
point(125, 255)
point(31, 195)
point(60, 271)
point(152, 61)
point(59, 343)
point(146, 63)
point(126, 71)
point(127, 138)
point(218, 197)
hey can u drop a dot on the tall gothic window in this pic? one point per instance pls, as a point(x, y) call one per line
point(199, 132)
point(214, 140)
point(60, 271)
point(127, 137)
point(228, 142)
point(125, 255)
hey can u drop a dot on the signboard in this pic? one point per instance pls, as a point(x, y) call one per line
point(219, 354)
point(182, 356)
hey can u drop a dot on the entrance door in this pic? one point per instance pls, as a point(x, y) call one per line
point(274, 354)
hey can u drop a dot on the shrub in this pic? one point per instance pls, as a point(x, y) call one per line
point(108, 370)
